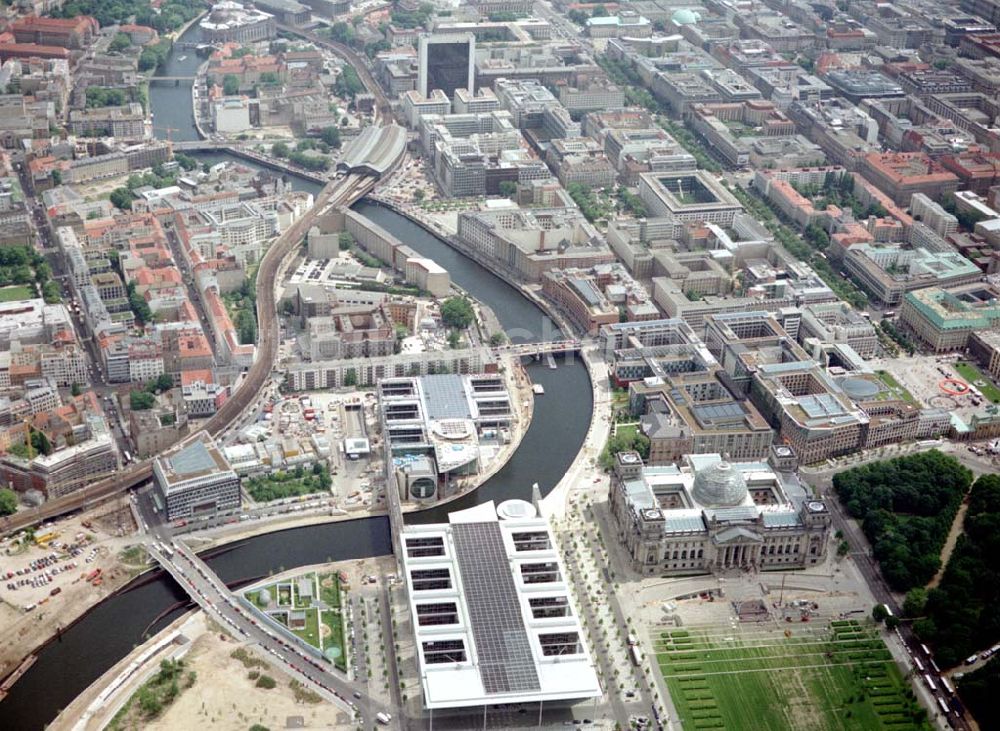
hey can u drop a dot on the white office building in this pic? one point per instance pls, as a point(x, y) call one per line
point(194, 478)
point(494, 619)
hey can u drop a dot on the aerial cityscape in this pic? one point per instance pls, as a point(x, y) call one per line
point(497, 364)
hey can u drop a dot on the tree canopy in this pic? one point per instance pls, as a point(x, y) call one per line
point(960, 616)
point(906, 506)
point(8, 501)
point(456, 313)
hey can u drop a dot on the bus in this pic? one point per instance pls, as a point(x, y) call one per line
point(635, 654)
point(888, 612)
point(944, 707)
point(948, 687)
point(925, 650)
point(920, 665)
point(930, 682)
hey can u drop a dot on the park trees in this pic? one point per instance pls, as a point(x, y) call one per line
point(960, 615)
point(906, 506)
point(457, 313)
point(8, 501)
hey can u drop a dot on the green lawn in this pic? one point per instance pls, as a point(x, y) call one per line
point(977, 378)
point(335, 639)
point(16, 292)
point(894, 385)
point(285, 596)
point(838, 677)
point(329, 595)
point(311, 632)
point(626, 430)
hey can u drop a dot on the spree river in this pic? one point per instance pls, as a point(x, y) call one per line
point(82, 653)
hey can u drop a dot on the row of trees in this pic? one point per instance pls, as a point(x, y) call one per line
point(801, 248)
point(906, 506)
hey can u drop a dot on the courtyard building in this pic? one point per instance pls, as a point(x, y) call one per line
point(707, 514)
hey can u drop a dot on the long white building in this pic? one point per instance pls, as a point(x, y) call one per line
point(494, 619)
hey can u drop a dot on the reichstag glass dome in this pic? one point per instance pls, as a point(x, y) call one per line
point(719, 486)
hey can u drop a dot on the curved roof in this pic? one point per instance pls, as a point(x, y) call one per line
point(685, 16)
point(374, 151)
point(719, 486)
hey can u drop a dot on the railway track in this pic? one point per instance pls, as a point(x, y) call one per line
point(343, 191)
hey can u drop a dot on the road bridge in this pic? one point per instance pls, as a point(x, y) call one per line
point(553, 347)
point(171, 78)
point(237, 618)
point(343, 191)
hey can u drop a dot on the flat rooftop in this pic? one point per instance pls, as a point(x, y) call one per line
point(195, 458)
point(494, 619)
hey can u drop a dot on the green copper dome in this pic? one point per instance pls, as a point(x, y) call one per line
point(685, 16)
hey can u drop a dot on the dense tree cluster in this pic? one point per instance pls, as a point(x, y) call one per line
point(121, 42)
point(8, 501)
point(154, 55)
point(906, 506)
point(457, 313)
point(631, 202)
point(25, 266)
point(979, 692)
point(298, 481)
point(587, 202)
point(158, 177)
point(960, 616)
point(230, 84)
point(330, 136)
point(348, 84)
point(99, 96)
point(624, 441)
point(168, 16)
point(139, 306)
point(403, 18)
point(141, 400)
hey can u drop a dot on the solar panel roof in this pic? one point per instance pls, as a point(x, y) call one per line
point(506, 664)
point(444, 397)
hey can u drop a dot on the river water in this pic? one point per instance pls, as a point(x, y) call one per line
point(561, 418)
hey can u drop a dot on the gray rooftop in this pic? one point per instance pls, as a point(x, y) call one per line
point(191, 460)
point(444, 397)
